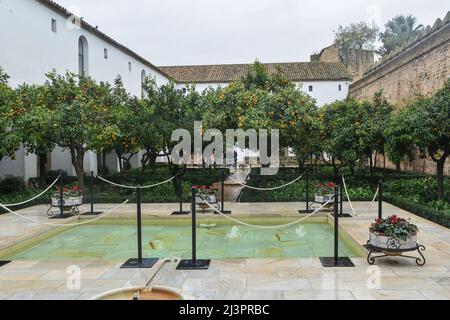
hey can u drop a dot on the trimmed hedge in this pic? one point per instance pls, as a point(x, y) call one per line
point(419, 209)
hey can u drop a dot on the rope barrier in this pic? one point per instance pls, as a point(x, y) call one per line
point(376, 194)
point(133, 187)
point(267, 227)
point(63, 224)
point(266, 189)
point(34, 198)
point(348, 197)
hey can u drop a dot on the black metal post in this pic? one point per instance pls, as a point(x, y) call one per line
point(91, 212)
point(180, 186)
point(140, 262)
point(194, 264)
point(336, 261)
point(194, 227)
point(61, 196)
point(307, 210)
point(92, 192)
point(341, 200)
point(222, 180)
point(223, 191)
point(180, 197)
point(336, 224)
point(139, 224)
point(380, 200)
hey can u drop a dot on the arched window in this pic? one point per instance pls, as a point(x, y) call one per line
point(143, 77)
point(83, 56)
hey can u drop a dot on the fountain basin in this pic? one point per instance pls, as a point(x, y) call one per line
point(141, 293)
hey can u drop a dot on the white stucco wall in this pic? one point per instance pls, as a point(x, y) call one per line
point(30, 49)
point(323, 91)
point(326, 91)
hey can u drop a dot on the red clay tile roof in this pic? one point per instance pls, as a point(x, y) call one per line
point(94, 30)
point(294, 71)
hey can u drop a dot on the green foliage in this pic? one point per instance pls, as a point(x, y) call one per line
point(68, 111)
point(423, 127)
point(9, 138)
point(399, 30)
point(265, 101)
point(11, 185)
point(360, 35)
point(394, 227)
point(353, 131)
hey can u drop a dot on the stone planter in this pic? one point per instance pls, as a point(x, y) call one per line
point(210, 199)
point(324, 199)
point(384, 242)
point(68, 202)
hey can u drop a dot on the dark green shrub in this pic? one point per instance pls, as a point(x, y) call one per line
point(10, 185)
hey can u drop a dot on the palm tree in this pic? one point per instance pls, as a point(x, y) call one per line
point(399, 30)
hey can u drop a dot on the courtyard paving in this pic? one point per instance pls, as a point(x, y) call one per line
point(253, 279)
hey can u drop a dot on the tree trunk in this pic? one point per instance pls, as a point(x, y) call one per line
point(301, 165)
point(352, 170)
point(42, 167)
point(144, 160)
point(371, 166)
point(77, 155)
point(440, 178)
point(335, 168)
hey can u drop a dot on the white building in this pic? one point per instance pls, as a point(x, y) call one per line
point(324, 81)
point(38, 36)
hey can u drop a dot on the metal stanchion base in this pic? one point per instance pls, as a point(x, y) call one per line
point(306, 211)
point(95, 213)
point(146, 263)
point(4, 263)
point(178, 213)
point(224, 212)
point(194, 265)
point(331, 262)
point(345, 215)
point(62, 217)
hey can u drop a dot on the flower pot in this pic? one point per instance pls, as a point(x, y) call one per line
point(384, 242)
point(68, 202)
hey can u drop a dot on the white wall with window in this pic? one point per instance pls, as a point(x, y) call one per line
point(36, 39)
point(323, 91)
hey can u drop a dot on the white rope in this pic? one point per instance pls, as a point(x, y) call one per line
point(134, 188)
point(268, 227)
point(27, 201)
point(266, 189)
point(63, 224)
point(348, 197)
point(376, 194)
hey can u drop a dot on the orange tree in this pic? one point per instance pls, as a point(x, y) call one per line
point(353, 131)
point(68, 111)
point(340, 125)
point(424, 127)
point(123, 119)
point(164, 109)
point(9, 138)
point(261, 100)
point(374, 116)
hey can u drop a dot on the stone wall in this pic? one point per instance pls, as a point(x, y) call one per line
point(421, 67)
point(356, 61)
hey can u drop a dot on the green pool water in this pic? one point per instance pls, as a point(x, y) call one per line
point(225, 241)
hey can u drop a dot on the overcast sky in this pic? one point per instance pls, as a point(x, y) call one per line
point(178, 32)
